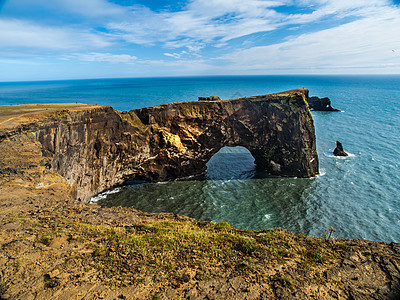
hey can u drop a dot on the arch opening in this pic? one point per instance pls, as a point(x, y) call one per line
point(231, 163)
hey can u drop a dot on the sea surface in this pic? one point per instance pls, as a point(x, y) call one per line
point(359, 195)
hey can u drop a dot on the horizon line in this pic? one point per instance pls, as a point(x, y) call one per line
point(204, 76)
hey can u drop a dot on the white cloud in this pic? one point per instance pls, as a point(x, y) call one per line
point(177, 55)
point(27, 35)
point(174, 55)
point(200, 22)
point(107, 57)
point(216, 22)
point(362, 44)
point(100, 29)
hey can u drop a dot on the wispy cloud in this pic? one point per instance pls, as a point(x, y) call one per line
point(174, 55)
point(362, 44)
point(215, 36)
point(107, 57)
point(199, 22)
point(216, 22)
point(18, 34)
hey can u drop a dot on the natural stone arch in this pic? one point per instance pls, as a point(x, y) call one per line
point(98, 148)
point(277, 129)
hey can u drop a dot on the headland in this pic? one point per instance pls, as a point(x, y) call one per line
point(56, 246)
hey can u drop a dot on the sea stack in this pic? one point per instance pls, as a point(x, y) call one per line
point(339, 150)
point(320, 104)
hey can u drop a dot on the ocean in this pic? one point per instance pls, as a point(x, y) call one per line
point(359, 196)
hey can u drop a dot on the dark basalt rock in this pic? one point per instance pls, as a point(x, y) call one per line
point(320, 104)
point(339, 150)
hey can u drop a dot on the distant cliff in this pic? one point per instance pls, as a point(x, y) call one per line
point(97, 148)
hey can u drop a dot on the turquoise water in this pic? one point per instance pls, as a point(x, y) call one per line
point(358, 196)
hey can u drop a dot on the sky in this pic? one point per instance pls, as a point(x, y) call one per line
point(80, 39)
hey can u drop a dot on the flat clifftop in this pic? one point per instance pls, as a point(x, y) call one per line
point(54, 247)
point(12, 116)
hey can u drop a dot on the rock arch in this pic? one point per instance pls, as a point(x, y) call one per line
point(277, 129)
point(96, 148)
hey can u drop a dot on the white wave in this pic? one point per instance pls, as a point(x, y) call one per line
point(104, 195)
point(267, 217)
point(330, 154)
point(322, 172)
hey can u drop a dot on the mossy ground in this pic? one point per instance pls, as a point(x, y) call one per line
point(121, 249)
point(174, 250)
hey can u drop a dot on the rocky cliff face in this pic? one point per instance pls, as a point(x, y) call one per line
point(97, 148)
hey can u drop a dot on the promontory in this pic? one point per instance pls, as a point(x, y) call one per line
point(54, 245)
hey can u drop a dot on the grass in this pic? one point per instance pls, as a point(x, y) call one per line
point(174, 251)
point(162, 249)
point(28, 114)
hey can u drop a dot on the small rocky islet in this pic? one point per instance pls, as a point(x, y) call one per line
point(321, 104)
point(55, 247)
point(338, 151)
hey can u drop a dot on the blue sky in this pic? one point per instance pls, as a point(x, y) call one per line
point(72, 39)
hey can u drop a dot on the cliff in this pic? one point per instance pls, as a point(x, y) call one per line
point(96, 148)
point(54, 247)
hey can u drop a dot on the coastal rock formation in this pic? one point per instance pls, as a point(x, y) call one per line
point(98, 148)
point(54, 247)
point(320, 104)
point(339, 150)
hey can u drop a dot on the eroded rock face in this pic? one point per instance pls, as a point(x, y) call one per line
point(98, 148)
